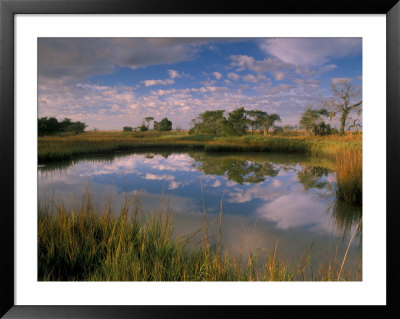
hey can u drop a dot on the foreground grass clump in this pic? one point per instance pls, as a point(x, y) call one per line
point(349, 175)
point(85, 245)
point(52, 148)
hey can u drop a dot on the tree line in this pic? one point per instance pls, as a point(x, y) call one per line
point(236, 123)
point(161, 126)
point(51, 126)
point(240, 121)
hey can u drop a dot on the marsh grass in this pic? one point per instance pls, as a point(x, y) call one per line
point(349, 175)
point(84, 244)
point(52, 148)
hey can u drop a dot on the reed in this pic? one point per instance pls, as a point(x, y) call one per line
point(84, 244)
point(349, 175)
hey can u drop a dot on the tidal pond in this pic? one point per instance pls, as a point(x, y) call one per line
point(267, 199)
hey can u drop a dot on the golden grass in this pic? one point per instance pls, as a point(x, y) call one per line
point(82, 244)
point(349, 175)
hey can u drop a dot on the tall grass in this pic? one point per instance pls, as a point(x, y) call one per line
point(85, 245)
point(349, 175)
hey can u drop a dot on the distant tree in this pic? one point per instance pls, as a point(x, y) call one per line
point(209, 123)
point(342, 103)
point(64, 124)
point(143, 128)
point(76, 127)
point(127, 128)
point(163, 125)
point(148, 119)
point(42, 126)
point(236, 123)
point(49, 126)
point(312, 121)
point(278, 130)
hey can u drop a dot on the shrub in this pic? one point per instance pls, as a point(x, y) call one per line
point(127, 129)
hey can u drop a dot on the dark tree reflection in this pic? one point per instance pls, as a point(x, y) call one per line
point(312, 177)
point(236, 169)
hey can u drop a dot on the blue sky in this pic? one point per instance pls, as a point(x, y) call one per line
point(113, 82)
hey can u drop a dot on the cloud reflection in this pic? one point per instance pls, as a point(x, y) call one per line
point(300, 210)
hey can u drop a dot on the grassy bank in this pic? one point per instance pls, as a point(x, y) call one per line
point(83, 244)
point(52, 148)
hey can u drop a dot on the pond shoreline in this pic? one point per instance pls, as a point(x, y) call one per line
point(53, 148)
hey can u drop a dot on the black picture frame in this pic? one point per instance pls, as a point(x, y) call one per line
point(8, 8)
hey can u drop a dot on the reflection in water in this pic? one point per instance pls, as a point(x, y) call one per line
point(346, 217)
point(289, 198)
point(235, 169)
point(313, 177)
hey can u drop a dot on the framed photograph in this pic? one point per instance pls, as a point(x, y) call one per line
point(175, 159)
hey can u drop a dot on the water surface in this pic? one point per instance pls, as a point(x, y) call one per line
point(267, 199)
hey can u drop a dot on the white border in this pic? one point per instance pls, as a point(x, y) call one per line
point(372, 290)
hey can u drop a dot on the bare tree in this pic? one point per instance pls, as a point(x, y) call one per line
point(342, 103)
point(355, 125)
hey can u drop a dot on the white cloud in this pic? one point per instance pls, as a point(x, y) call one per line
point(254, 79)
point(233, 76)
point(158, 82)
point(217, 75)
point(279, 76)
point(310, 51)
point(173, 74)
point(243, 62)
point(340, 80)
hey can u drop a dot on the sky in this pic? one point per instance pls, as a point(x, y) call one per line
point(109, 83)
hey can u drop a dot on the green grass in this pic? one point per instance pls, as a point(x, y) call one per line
point(52, 148)
point(56, 148)
point(82, 244)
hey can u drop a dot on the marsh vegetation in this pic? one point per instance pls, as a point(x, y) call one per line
point(125, 229)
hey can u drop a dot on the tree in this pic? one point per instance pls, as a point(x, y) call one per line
point(342, 103)
point(49, 126)
point(163, 125)
point(143, 128)
point(209, 123)
point(270, 121)
point(264, 121)
point(355, 125)
point(127, 128)
point(312, 121)
point(236, 123)
point(148, 119)
point(63, 126)
point(76, 127)
point(253, 119)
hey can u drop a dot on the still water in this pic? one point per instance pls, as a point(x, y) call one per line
point(267, 199)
